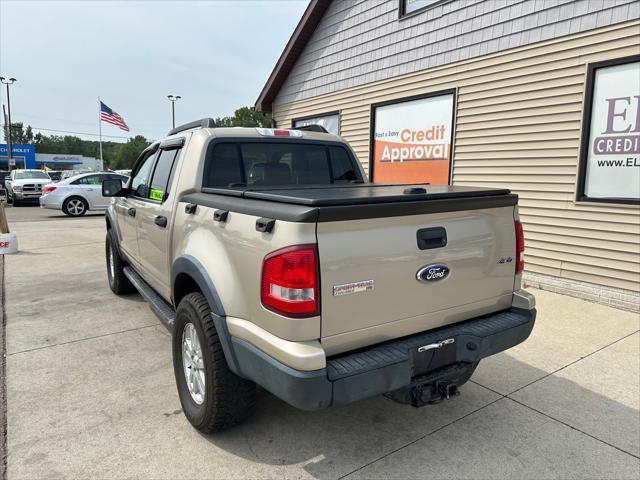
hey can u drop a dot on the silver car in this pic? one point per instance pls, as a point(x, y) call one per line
point(79, 194)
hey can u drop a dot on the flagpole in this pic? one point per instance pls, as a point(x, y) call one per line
point(100, 129)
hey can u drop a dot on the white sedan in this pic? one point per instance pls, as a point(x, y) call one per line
point(77, 195)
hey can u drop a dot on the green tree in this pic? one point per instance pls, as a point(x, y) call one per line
point(124, 155)
point(245, 117)
point(115, 155)
point(19, 134)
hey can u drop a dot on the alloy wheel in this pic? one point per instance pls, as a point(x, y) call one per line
point(75, 206)
point(193, 363)
point(112, 268)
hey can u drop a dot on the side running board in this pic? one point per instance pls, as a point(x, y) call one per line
point(160, 307)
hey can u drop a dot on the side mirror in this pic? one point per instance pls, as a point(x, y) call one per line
point(112, 187)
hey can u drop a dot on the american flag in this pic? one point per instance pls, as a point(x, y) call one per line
point(109, 116)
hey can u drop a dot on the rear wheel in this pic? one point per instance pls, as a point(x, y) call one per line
point(213, 398)
point(75, 206)
point(118, 282)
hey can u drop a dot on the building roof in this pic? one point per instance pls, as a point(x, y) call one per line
point(301, 35)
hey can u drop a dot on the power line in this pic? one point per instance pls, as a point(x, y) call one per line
point(66, 120)
point(55, 119)
point(77, 133)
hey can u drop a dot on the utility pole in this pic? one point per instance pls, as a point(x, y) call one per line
point(173, 100)
point(9, 144)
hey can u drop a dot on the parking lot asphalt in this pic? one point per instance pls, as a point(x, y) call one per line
point(90, 392)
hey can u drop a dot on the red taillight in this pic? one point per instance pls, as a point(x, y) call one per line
point(519, 248)
point(290, 281)
point(281, 132)
point(48, 188)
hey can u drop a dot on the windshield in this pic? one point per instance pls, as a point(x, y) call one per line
point(257, 163)
point(31, 174)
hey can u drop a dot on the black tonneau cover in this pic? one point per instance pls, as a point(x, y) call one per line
point(356, 194)
point(348, 202)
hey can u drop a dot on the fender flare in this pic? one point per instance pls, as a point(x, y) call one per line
point(111, 221)
point(189, 265)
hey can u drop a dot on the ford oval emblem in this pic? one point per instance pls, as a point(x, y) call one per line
point(433, 273)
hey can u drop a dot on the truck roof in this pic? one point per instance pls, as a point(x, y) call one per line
point(255, 133)
point(207, 126)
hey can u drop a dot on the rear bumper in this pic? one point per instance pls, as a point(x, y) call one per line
point(46, 201)
point(387, 366)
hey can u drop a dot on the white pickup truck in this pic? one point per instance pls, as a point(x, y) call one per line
point(272, 261)
point(25, 185)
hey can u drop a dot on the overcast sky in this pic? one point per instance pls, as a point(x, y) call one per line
point(216, 54)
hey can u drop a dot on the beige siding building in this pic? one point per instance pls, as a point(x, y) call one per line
point(528, 82)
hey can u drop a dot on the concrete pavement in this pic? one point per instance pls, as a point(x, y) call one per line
point(90, 392)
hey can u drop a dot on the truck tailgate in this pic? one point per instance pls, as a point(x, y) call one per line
point(373, 272)
point(385, 268)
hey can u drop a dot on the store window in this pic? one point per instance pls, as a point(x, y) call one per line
point(610, 148)
point(411, 6)
point(411, 139)
point(330, 121)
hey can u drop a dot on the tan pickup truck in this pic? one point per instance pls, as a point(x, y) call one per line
point(272, 261)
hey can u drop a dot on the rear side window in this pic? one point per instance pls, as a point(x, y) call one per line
point(161, 179)
point(342, 168)
point(88, 180)
point(256, 163)
point(111, 176)
point(224, 166)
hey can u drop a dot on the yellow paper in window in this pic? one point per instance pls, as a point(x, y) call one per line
point(156, 195)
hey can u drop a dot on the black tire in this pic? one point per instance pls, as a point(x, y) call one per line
point(118, 282)
point(228, 399)
point(15, 202)
point(71, 206)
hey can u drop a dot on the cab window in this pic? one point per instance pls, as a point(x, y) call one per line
point(162, 175)
point(140, 181)
point(278, 163)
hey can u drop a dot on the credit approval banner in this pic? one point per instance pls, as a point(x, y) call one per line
point(412, 141)
point(612, 153)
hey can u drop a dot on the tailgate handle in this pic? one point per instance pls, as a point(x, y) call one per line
point(435, 237)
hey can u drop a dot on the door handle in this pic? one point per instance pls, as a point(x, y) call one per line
point(428, 238)
point(89, 189)
point(160, 221)
point(131, 212)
